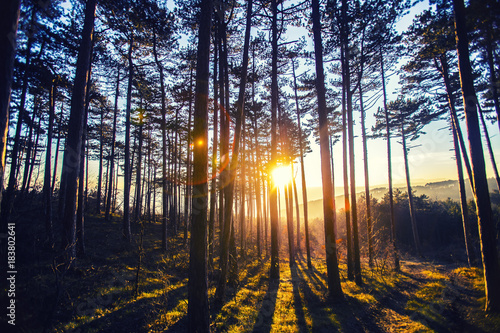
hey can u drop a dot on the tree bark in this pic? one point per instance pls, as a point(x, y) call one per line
point(367, 180)
point(112, 155)
point(9, 17)
point(389, 168)
point(10, 42)
point(72, 153)
point(413, 218)
point(213, 182)
point(198, 307)
point(334, 288)
point(491, 266)
point(127, 169)
point(164, 182)
point(457, 136)
point(273, 194)
point(47, 192)
point(233, 166)
point(302, 171)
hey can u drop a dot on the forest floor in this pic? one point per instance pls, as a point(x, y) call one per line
point(100, 295)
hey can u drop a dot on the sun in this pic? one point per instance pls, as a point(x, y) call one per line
point(282, 175)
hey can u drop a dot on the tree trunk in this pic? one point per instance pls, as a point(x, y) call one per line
point(198, 311)
point(213, 182)
point(489, 251)
point(99, 172)
point(47, 193)
point(457, 134)
point(164, 190)
point(112, 156)
point(28, 161)
point(233, 166)
point(289, 222)
point(302, 171)
point(258, 197)
point(389, 167)
point(273, 195)
point(297, 211)
point(80, 212)
point(127, 170)
point(469, 247)
point(243, 193)
point(347, 205)
point(56, 158)
point(9, 17)
point(350, 125)
point(188, 162)
point(413, 217)
point(367, 181)
point(72, 153)
point(334, 288)
point(8, 196)
point(138, 179)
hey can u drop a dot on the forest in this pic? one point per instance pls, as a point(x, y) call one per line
point(159, 158)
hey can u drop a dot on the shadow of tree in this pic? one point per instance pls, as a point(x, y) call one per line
point(265, 317)
point(299, 310)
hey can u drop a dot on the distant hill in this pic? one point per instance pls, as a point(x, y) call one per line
point(440, 190)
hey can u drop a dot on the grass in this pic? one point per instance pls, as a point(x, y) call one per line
point(98, 295)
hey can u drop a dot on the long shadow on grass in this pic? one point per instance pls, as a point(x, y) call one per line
point(311, 273)
point(348, 315)
point(299, 310)
point(129, 318)
point(265, 317)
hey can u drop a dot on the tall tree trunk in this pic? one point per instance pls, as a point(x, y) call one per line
point(345, 167)
point(389, 167)
point(127, 170)
point(369, 233)
point(72, 153)
point(56, 158)
point(99, 172)
point(233, 166)
point(491, 266)
point(80, 212)
point(289, 222)
point(413, 217)
point(8, 196)
point(350, 128)
point(302, 170)
point(112, 156)
point(188, 161)
point(334, 288)
point(47, 192)
point(297, 211)
point(273, 194)
point(258, 197)
point(469, 247)
point(9, 17)
point(28, 161)
point(198, 311)
point(138, 179)
point(457, 136)
point(213, 182)
point(164, 190)
point(243, 193)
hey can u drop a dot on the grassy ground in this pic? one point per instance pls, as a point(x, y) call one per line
point(100, 294)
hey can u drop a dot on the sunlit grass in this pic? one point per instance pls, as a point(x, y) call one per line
point(100, 296)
